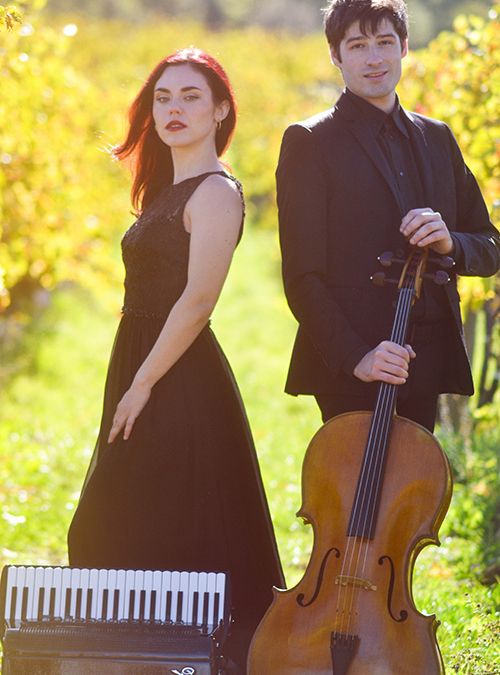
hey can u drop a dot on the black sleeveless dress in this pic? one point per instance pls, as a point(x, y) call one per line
point(184, 492)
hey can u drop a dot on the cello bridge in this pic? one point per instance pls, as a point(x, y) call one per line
point(345, 580)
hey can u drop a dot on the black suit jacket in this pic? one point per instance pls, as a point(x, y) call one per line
point(337, 212)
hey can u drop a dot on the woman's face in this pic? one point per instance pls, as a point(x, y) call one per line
point(184, 111)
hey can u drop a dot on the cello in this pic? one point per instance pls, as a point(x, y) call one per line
point(375, 488)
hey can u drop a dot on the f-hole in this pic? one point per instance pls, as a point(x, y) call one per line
point(403, 614)
point(300, 597)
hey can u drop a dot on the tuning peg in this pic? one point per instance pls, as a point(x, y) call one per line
point(445, 261)
point(387, 258)
point(440, 277)
point(379, 279)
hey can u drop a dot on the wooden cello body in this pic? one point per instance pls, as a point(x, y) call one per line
point(375, 488)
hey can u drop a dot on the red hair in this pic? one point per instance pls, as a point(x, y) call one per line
point(152, 165)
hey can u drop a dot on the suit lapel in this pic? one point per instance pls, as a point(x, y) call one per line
point(422, 157)
point(369, 144)
point(367, 141)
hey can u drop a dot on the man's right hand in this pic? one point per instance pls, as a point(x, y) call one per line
point(387, 362)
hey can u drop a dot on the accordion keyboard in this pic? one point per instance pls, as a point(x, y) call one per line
point(77, 594)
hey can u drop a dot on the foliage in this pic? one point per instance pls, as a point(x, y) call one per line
point(55, 176)
point(12, 16)
point(62, 201)
point(457, 80)
point(427, 17)
point(57, 186)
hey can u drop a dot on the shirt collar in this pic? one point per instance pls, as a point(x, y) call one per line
point(376, 118)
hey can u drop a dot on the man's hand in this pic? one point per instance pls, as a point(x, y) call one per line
point(387, 362)
point(425, 227)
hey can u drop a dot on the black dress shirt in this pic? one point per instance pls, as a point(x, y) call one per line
point(393, 139)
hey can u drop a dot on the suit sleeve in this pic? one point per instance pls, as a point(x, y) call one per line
point(303, 223)
point(476, 240)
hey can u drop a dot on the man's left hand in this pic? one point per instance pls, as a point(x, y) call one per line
point(425, 227)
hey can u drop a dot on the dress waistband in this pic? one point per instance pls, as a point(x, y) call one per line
point(143, 313)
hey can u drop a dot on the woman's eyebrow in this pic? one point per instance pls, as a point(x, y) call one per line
point(167, 91)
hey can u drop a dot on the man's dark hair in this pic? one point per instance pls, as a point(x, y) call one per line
point(340, 14)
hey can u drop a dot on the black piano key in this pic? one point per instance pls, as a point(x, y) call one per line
point(131, 603)
point(194, 616)
point(41, 595)
point(152, 607)
point(78, 607)
point(116, 603)
point(142, 605)
point(88, 608)
point(206, 601)
point(52, 602)
point(24, 604)
point(168, 606)
point(180, 599)
point(66, 604)
point(216, 609)
point(13, 603)
point(104, 608)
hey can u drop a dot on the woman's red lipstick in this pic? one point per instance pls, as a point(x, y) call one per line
point(175, 125)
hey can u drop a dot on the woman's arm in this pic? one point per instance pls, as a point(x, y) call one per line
point(213, 216)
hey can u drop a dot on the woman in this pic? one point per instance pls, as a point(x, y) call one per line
point(174, 483)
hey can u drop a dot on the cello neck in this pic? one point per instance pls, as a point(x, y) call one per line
point(369, 488)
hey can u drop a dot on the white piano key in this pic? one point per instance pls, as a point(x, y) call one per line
point(84, 585)
point(211, 587)
point(76, 574)
point(148, 587)
point(221, 590)
point(65, 606)
point(175, 584)
point(138, 587)
point(39, 578)
point(184, 588)
point(29, 583)
point(111, 587)
point(129, 586)
point(94, 587)
point(57, 584)
point(47, 585)
point(192, 589)
point(102, 585)
point(166, 586)
point(202, 589)
point(18, 577)
point(156, 586)
point(121, 581)
point(12, 582)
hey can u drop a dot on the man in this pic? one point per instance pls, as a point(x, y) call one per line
point(355, 181)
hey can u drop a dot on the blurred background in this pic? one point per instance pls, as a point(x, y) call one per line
point(69, 69)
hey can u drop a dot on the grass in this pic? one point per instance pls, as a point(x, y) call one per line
point(50, 410)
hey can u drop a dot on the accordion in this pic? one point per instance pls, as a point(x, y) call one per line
point(72, 621)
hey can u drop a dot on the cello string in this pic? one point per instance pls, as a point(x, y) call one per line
point(385, 402)
point(398, 336)
point(383, 423)
point(361, 498)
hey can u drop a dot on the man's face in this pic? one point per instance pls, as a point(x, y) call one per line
point(371, 64)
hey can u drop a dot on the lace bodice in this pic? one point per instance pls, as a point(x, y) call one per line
point(155, 251)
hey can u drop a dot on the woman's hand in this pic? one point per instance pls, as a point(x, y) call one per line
point(128, 410)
